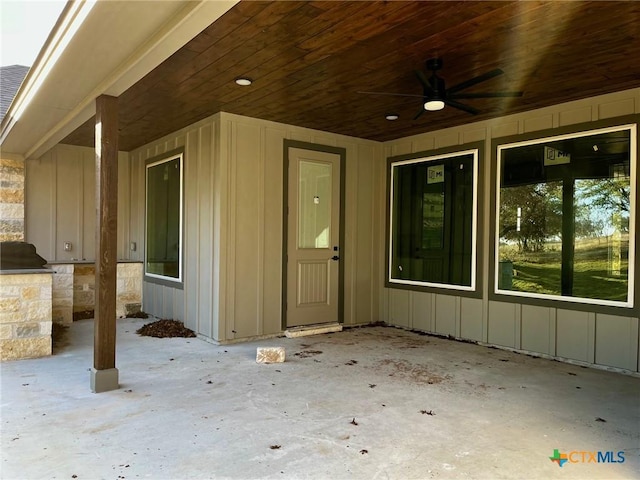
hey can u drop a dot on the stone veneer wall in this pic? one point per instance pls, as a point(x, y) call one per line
point(11, 199)
point(62, 297)
point(25, 315)
point(74, 290)
point(129, 289)
point(84, 287)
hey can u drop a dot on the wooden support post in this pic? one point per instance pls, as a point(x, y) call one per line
point(104, 375)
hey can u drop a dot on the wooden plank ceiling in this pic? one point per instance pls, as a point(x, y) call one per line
point(309, 60)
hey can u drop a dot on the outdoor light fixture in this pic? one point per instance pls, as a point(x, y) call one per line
point(244, 81)
point(433, 105)
point(392, 116)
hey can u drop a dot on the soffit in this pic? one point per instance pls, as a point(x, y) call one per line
point(309, 60)
point(116, 45)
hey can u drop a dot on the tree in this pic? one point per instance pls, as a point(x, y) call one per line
point(607, 198)
point(540, 214)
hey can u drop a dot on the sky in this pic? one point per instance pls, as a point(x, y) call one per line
point(24, 27)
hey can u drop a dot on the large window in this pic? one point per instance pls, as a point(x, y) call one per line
point(433, 204)
point(565, 209)
point(163, 259)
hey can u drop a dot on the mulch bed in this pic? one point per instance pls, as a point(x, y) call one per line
point(165, 329)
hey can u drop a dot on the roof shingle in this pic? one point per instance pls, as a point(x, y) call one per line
point(11, 78)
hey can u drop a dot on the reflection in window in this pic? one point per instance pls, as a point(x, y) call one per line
point(433, 204)
point(164, 219)
point(563, 216)
point(432, 220)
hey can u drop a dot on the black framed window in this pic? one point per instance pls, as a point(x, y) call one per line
point(432, 220)
point(565, 209)
point(163, 233)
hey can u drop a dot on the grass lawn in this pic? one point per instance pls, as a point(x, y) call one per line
point(539, 272)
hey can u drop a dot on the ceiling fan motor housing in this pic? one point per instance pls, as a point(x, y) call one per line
point(437, 85)
point(434, 64)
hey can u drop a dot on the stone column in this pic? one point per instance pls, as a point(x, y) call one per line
point(11, 198)
point(25, 314)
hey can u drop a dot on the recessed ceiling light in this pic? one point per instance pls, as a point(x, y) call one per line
point(243, 81)
point(392, 116)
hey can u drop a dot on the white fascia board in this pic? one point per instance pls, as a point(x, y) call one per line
point(117, 45)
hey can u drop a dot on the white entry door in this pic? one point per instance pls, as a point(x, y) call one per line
point(313, 255)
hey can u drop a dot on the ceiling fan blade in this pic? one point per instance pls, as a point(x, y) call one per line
point(428, 90)
point(486, 95)
point(393, 94)
point(475, 80)
point(461, 106)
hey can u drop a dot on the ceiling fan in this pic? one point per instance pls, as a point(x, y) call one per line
point(435, 95)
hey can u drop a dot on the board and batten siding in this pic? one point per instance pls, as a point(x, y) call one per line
point(233, 240)
point(560, 332)
point(60, 203)
point(194, 303)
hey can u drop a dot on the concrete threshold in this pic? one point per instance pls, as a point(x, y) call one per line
point(316, 329)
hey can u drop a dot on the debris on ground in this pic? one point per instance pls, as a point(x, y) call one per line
point(270, 355)
point(427, 412)
point(351, 362)
point(275, 447)
point(165, 329)
point(138, 314)
point(377, 324)
point(353, 422)
point(598, 419)
point(307, 353)
point(363, 451)
point(83, 315)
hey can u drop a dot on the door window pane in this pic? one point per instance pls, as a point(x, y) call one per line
point(314, 204)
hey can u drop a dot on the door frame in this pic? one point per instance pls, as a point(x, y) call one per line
point(342, 153)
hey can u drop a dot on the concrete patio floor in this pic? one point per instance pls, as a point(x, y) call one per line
point(365, 403)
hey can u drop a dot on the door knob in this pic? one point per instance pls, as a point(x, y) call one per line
point(335, 258)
